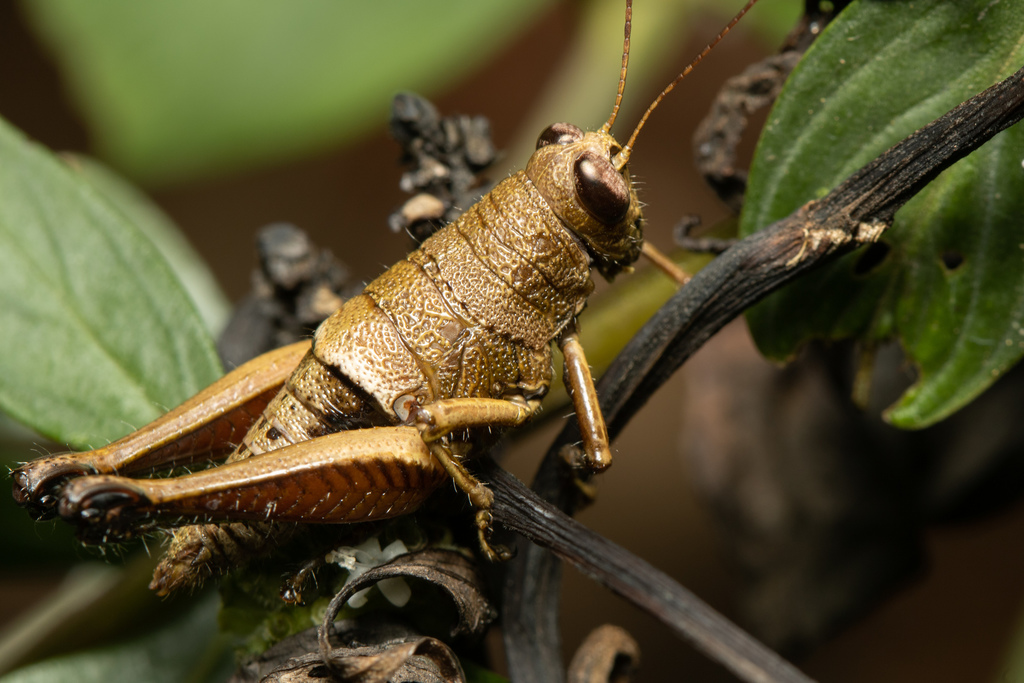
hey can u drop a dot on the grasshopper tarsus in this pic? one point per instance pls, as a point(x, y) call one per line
point(485, 529)
point(102, 507)
point(36, 486)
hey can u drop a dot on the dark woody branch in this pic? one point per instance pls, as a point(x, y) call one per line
point(518, 508)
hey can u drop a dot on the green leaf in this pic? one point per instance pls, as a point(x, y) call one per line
point(98, 334)
point(188, 649)
point(192, 271)
point(478, 674)
point(176, 89)
point(1013, 665)
point(951, 285)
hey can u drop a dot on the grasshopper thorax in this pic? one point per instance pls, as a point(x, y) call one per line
point(575, 174)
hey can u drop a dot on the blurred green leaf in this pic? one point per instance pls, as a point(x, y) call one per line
point(478, 674)
point(192, 271)
point(1013, 666)
point(771, 26)
point(176, 89)
point(951, 286)
point(98, 334)
point(253, 612)
point(188, 649)
point(582, 88)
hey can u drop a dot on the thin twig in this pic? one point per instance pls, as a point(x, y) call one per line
point(520, 509)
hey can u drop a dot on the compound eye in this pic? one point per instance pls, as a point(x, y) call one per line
point(559, 134)
point(601, 189)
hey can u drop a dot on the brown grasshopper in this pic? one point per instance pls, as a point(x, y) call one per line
point(398, 387)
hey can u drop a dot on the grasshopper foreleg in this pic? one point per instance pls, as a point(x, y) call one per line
point(597, 453)
point(208, 425)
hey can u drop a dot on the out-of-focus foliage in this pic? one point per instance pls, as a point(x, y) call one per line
point(173, 90)
point(188, 649)
point(97, 331)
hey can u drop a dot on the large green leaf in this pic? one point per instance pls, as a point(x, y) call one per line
point(174, 89)
point(98, 335)
point(195, 276)
point(951, 286)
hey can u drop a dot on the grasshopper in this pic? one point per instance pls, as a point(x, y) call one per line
point(397, 388)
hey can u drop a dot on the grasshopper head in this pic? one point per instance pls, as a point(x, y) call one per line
point(585, 179)
point(595, 199)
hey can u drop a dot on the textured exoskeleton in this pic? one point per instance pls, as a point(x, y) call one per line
point(446, 348)
point(399, 384)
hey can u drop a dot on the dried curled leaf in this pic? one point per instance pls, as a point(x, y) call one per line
point(608, 655)
point(416, 659)
point(375, 649)
point(395, 653)
point(455, 575)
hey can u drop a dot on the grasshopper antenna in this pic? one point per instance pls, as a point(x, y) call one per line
point(622, 73)
point(655, 256)
point(622, 157)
